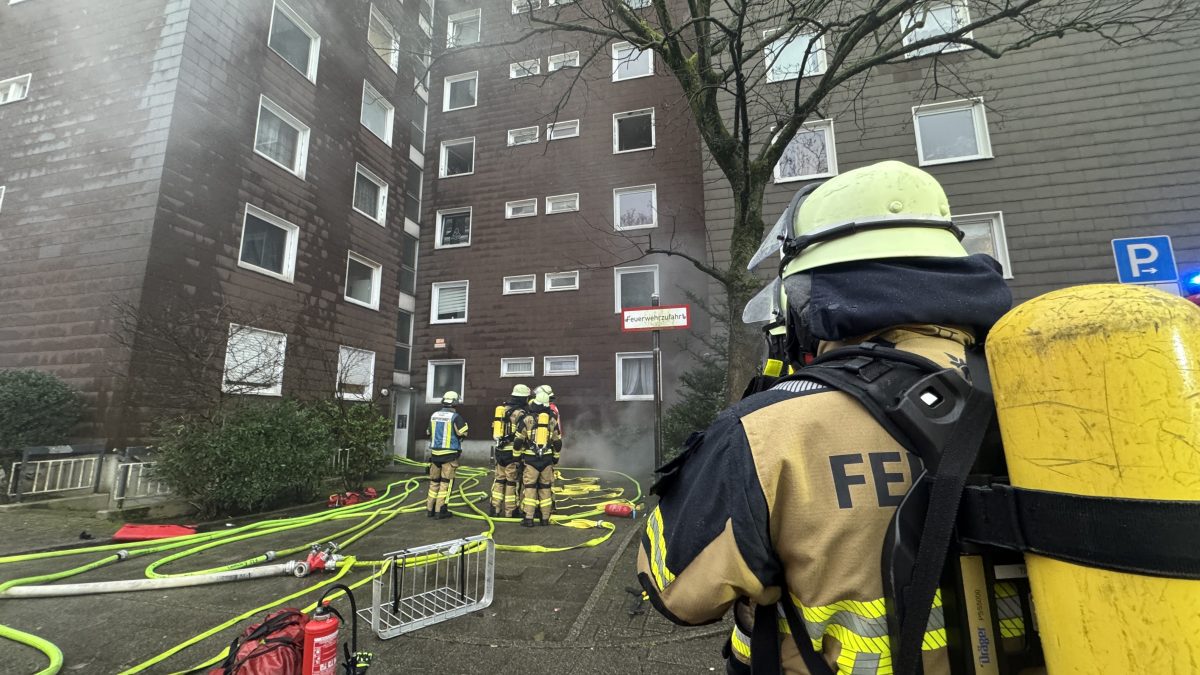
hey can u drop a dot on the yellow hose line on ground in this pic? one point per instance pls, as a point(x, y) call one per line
point(44, 646)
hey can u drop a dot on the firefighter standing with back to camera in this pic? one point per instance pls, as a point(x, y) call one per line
point(510, 433)
point(538, 457)
point(446, 430)
point(792, 489)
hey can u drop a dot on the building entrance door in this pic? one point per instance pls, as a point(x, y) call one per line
point(402, 417)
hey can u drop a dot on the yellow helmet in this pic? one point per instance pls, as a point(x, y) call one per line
point(885, 210)
point(450, 398)
point(546, 388)
point(521, 390)
point(542, 398)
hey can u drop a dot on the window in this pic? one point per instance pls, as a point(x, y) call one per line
point(254, 361)
point(382, 38)
point(453, 228)
point(281, 138)
point(791, 53)
point(362, 280)
point(268, 244)
point(561, 281)
point(417, 120)
point(635, 207)
point(294, 40)
point(450, 302)
point(524, 68)
point(462, 29)
point(356, 374)
point(951, 132)
point(560, 61)
point(519, 6)
point(412, 192)
point(559, 130)
point(444, 376)
point(426, 27)
point(557, 366)
point(522, 367)
point(810, 154)
point(523, 208)
point(562, 203)
point(377, 114)
point(633, 131)
point(984, 233)
point(2, 190)
point(404, 327)
point(934, 20)
point(370, 194)
point(637, 4)
point(630, 62)
point(635, 285)
point(525, 283)
point(635, 376)
point(458, 157)
point(522, 136)
point(460, 91)
point(408, 264)
point(15, 89)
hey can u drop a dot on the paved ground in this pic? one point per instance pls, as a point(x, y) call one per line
point(554, 613)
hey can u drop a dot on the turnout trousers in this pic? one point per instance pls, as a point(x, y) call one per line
point(538, 483)
point(441, 478)
point(504, 487)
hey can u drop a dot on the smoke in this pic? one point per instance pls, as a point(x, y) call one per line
point(622, 443)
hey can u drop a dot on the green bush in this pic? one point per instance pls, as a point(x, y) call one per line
point(359, 429)
point(36, 408)
point(249, 458)
point(702, 397)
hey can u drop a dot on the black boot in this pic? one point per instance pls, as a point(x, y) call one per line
point(491, 511)
point(430, 513)
point(527, 522)
point(545, 521)
point(444, 513)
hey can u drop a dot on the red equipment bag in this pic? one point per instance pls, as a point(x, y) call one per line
point(273, 647)
point(147, 532)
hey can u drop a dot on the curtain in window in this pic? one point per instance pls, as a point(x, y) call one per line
point(366, 195)
point(637, 376)
point(276, 139)
point(452, 302)
point(253, 359)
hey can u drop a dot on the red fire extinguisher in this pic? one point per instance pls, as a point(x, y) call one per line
point(321, 639)
point(620, 510)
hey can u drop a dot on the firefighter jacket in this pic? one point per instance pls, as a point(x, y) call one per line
point(795, 484)
point(446, 430)
point(517, 429)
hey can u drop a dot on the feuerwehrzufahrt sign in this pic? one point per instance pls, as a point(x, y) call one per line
point(667, 317)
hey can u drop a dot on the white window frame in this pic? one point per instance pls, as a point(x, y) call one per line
point(301, 167)
point(522, 6)
point(454, 79)
point(962, 13)
point(637, 4)
point(556, 62)
point(618, 272)
point(983, 139)
point(509, 206)
point(391, 118)
point(4, 189)
point(436, 397)
point(995, 221)
point(369, 388)
point(508, 289)
point(617, 192)
point(376, 279)
point(435, 296)
point(276, 388)
point(314, 52)
point(437, 239)
point(512, 135)
point(9, 82)
point(451, 20)
point(546, 365)
point(442, 165)
point(293, 236)
point(830, 149)
point(553, 134)
point(526, 68)
point(618, 60)
point(547, 287)
point(771, 57)
point(549, 203)
point(621, 356)
point(380, 215)
point(628, 114)
point(393, 59)
point(506, 362)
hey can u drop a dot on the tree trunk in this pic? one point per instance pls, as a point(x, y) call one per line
point(743, 346)
point(745, 342)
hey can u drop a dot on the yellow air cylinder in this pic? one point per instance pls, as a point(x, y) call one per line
point(541, 434)
point(1098, 393)
point(498, 422)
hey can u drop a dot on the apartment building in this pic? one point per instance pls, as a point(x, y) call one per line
point(551, 170)
point(241, 177)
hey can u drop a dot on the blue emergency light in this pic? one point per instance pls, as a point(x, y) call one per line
point(1191, 284)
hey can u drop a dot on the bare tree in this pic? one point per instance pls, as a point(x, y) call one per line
point(753, 72)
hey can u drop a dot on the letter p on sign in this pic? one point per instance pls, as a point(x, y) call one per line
point(1145, 260)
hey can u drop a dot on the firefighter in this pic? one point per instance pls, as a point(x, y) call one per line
point(446, 431)
point(511, 439)
point(787, 496)
point(557, 419)
point(538, 457)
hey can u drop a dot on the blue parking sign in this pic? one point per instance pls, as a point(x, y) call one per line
point(1145, 260)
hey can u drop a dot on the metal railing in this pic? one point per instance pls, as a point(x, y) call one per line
point(430, 584)
point(136, 480)
point(49, 476)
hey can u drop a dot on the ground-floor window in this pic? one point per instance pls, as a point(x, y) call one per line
point(635, 376)
point(444, 376)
